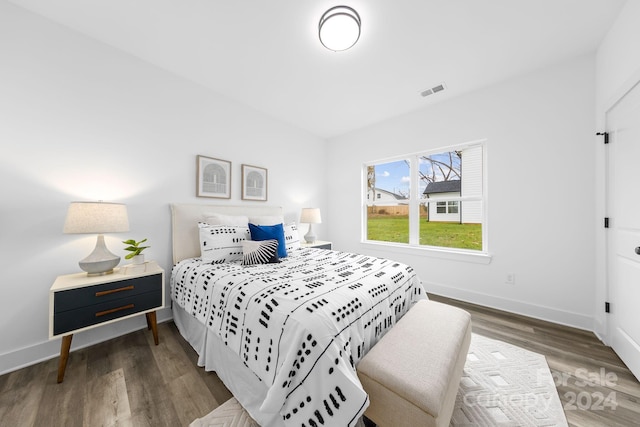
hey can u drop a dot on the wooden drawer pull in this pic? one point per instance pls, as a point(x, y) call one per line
point(113, 291)
point(113, 310)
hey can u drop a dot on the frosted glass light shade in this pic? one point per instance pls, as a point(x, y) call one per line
point(339, 28)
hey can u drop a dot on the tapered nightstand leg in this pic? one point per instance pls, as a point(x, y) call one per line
point(152, 321)
point(64, 356)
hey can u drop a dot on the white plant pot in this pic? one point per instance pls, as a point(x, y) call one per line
point(137, 259)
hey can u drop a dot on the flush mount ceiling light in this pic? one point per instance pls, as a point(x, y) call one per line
point(339, 28)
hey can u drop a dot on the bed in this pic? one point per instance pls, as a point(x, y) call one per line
point(285, 337)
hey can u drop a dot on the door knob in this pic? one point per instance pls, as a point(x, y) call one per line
point(638, 250)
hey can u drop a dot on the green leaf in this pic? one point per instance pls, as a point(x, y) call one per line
point(129, 242)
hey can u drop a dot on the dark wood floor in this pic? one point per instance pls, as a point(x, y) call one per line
point(128, 381)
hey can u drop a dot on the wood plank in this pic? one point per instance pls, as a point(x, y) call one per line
point(169, 354)
point(62, 404)
point(148, 393)
point(192, 398)
point(107, 400)
point(21, 395)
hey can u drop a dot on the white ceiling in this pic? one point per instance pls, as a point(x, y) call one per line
point(266, 53)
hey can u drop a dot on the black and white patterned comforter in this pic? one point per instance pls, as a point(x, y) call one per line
point(302, 325)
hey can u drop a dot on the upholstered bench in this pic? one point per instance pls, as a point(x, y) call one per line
point(412, 374)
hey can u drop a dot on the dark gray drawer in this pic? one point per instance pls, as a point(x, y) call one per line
point(325, 246)
point(81, 297)
point(98, 313)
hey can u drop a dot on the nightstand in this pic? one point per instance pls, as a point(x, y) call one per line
point(78, 302)
point(318, 244)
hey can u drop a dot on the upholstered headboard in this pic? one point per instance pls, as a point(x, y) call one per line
point(184, 224)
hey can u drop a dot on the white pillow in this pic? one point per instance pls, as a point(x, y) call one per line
point(220, 219)
point(222, 243)
point(291, 237)
point(266, 219)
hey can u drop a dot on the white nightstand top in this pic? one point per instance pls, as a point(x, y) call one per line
point(76, 280)
point(314, 244)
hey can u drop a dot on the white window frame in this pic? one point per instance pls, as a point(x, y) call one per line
point(415, 200)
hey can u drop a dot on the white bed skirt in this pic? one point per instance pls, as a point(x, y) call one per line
point(215, 356)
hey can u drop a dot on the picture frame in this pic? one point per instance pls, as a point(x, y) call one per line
point(254, 183)
point(213, 177)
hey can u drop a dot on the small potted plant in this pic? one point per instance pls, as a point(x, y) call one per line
point(136, 256)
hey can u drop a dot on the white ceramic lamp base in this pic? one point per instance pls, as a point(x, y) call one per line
point(100, 261)
point(310, 237)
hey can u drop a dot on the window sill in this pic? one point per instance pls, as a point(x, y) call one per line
point(442, 253)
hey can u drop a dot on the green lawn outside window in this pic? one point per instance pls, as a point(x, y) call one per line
point(387, 228)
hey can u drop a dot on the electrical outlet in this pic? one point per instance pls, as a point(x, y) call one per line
point(511, 279)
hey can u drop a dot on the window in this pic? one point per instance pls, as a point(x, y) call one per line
point(449, 207)
point(433, 198)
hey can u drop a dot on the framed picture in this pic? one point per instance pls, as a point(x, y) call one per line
point(213, 178)
point(254, 183)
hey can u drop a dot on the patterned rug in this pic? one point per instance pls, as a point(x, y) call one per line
point(502, 386)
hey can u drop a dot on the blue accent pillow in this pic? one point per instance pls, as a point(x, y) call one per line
point(270, 232)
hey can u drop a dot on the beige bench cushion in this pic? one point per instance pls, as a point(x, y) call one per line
point(412, 374)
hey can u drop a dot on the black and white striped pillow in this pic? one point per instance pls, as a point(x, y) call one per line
point(259, 252)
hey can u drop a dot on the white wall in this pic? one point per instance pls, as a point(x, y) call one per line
point(617, 69)
point(539, 129)
point(82, 121)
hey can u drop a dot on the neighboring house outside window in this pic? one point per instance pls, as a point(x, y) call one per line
point(444, 210)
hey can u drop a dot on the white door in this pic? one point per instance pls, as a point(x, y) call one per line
point(623, 244)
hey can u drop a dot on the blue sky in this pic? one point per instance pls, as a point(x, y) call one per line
point(395, 176)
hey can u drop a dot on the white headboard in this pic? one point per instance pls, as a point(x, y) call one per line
point(184, 224)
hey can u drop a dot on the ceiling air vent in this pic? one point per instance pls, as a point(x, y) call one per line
point(431, 91)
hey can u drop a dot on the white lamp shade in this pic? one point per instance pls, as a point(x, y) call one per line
point(310, 216)
point(96, 217)
point(339, 28)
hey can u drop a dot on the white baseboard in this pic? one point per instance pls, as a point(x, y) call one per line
point(600, 329)
point(46, 350)
point(550, 314)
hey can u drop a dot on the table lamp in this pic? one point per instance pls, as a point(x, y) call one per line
point(310, 216)
point(100, 218)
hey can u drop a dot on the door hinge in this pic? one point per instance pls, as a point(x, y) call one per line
point(607, 307)
point(606, 136)
point(606, 222)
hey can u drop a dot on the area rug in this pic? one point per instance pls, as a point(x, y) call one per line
point(502, 386)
